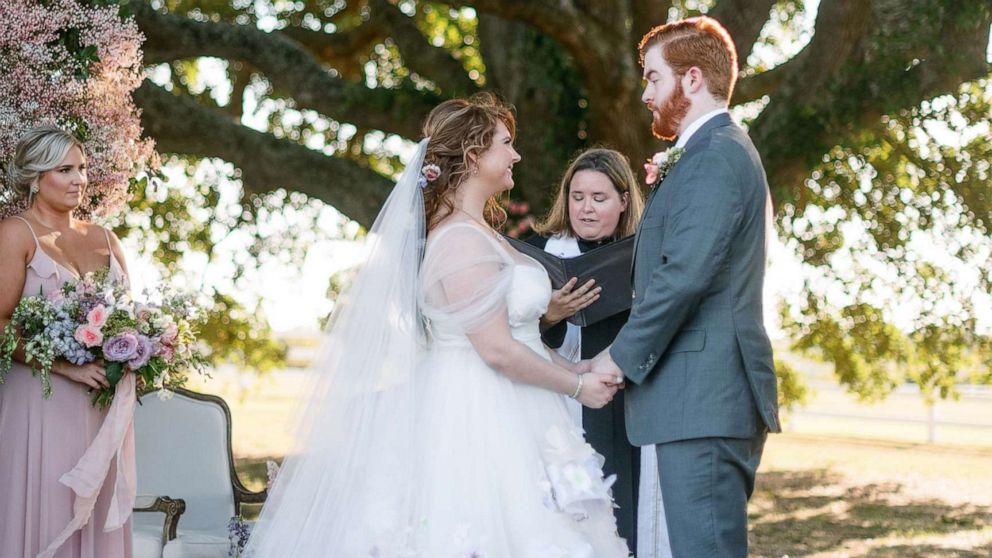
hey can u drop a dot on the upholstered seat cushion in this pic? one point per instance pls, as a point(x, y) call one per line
point(193, 543)
point(147, 540)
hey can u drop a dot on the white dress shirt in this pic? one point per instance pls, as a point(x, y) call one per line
point(696, 125)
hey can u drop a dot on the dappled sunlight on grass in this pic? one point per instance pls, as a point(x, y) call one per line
point(816, 496)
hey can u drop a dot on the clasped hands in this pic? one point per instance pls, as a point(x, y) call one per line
point(601, 378)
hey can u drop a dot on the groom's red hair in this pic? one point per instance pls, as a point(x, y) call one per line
point(701, 42)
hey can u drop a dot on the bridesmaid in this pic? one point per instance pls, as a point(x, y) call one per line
point(598, 202)
point(40, 440)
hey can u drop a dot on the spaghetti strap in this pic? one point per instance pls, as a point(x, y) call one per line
point(106, 234)
point(28, 223)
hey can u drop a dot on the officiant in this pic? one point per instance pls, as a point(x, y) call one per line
point(598, 203)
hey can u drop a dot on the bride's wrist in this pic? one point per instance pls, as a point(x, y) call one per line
point(578, 387)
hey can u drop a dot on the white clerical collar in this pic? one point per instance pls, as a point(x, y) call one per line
point(696, 125)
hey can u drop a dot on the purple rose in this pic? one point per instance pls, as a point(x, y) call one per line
point(143, 353)
point(121, 348)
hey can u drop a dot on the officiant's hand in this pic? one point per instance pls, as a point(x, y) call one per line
point(568, 300)
point(597, 390)
point(603, 364)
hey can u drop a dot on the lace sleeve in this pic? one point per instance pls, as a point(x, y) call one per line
point(465, 278)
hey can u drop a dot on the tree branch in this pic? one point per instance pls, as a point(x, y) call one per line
point(289, 68)
point(183, 127)
point(647, 14)
point(342, 49)
point(434, 63)
point(560, 20)
point(840, 85)
point(756, 86)
point(744, 19)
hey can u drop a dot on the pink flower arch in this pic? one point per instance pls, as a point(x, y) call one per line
point(75, 66)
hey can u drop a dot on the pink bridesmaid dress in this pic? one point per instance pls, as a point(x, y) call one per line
point(42, 439)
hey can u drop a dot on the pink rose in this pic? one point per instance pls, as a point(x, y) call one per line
point(169, 335)
point(651, 170)
point(432, 172)
point(166, 353)
point(88, 336)
point(97, 316)
point(55, 296)
point(144, 312)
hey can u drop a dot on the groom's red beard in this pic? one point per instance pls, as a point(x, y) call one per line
point(669, 116)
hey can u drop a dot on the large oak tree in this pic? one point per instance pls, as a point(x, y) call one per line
point(844, 127)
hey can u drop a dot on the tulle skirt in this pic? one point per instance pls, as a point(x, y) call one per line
point(479, 466)
point(505, 473)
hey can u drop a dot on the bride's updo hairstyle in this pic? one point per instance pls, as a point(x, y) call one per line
point(458, 129)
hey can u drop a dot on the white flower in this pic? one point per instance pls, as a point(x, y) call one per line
point(577, 476)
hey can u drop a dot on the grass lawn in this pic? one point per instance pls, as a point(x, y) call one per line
point(817, 496)
point(826, 497)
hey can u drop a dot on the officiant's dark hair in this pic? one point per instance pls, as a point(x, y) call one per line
point(701, 42)
point(615, 166)
point(460, 129)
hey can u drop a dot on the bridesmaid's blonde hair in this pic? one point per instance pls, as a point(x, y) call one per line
point(39, 150)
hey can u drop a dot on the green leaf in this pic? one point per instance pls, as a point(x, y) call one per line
point(115, 371)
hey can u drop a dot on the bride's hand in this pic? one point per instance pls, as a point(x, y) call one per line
point(597, 390)
point(91, 374)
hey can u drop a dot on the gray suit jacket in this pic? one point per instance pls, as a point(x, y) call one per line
point(695, 351)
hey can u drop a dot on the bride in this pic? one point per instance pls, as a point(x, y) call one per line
point(437, 426)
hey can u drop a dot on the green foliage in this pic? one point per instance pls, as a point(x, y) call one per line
point(898, 221)
point(455, 30)
point(892, 224)
point(173, 221)
point(240, 337)
point(792, 390)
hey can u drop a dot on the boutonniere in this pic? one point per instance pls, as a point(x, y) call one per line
point(658, 167)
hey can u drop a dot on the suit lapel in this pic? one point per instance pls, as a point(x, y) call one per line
point(718, 121)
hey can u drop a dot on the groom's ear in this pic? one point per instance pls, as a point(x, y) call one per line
point(694, 81)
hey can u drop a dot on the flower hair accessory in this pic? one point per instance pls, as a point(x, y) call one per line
point(428, 174)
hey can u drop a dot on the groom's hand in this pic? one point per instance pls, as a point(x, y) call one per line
point(582, 367)
point(603, 364)
point(597, 390)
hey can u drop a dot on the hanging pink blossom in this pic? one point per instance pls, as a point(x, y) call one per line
point(74, 66)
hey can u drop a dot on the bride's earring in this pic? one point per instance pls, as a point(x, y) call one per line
point(32, 192)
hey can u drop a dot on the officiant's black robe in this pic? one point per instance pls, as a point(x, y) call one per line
point(605, 428)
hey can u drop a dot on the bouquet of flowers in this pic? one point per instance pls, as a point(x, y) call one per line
point(95, 319)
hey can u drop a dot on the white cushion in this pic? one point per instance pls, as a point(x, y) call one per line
point(146, 539)
point(193, 543)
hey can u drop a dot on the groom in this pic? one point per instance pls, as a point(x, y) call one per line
point(695, 353)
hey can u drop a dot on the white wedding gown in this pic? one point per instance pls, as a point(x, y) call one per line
point(420, 450)
point(507, 474)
